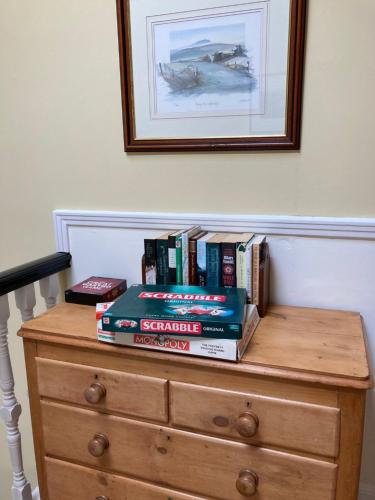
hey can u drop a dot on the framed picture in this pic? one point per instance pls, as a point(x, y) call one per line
point(203, 75)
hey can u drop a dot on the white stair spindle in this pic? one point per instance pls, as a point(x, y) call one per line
point(49, 290)
point(10, 410)
point(25, 301)
point(36, 494)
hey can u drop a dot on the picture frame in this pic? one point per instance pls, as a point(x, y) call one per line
point(211, 75)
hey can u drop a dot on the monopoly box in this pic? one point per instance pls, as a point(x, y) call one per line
point(231, 350)
point(179, 310)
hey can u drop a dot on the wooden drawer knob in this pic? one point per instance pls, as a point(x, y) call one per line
point(247, 483)
point(95, 393)
point(247, 424)
point(102, 498)
point(98, 444)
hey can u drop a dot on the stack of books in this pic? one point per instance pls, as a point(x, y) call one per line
point(200, 321)
point(199, 258)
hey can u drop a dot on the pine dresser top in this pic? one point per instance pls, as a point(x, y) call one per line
point(317, 346)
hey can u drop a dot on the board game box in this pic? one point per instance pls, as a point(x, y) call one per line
point(95, 289)
point(179, 310)
point(230, 350)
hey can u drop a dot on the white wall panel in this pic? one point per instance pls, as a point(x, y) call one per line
point(322, 262)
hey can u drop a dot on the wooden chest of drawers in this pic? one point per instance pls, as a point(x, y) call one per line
point(115, 423)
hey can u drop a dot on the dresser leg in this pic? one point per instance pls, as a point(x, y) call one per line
point(352, 405)
point(30, 350)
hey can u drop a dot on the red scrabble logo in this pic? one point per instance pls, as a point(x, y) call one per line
point(161, 326)
point(182, 296)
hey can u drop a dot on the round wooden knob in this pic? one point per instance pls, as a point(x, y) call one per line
point(102, 498)
point(247, 424)
point(95, 393)
point(98, 444)
point(247, 483)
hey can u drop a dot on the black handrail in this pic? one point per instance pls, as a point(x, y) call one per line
point(20, 276)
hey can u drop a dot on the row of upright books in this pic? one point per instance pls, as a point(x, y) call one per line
point(199, 258)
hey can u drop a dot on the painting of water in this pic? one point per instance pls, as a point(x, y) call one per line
point(208, 66)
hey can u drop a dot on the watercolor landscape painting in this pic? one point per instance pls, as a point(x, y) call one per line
point(208, 66)
point(217, 62)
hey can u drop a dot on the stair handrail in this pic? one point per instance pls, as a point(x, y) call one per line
point(20, 280)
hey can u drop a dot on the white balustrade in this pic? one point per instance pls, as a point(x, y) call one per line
point(49, 290)
point(25, 301)
point(10, 410)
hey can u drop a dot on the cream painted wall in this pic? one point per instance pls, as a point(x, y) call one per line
point(61, 133)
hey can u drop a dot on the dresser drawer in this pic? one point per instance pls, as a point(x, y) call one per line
point(69, 481)
point(256, 419)
point(206, 466)
point(110, 390)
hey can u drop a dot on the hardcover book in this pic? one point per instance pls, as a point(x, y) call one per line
point(185, 237)
point(229, 247)
point(228, 264)
point(214, 275)
point(264, 278)
point(202, 259)
point(179, 310)
point(182, 254)
point(174, 245)
point(231, 350)
point(193, 263)
point(258, 244)
point(244, 253)
point(150, 260)
point(179, 259)
point(162, 259)
point(94, 290)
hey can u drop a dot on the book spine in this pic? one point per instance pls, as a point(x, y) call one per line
point(228, 264)
point(162, 262)
point(264, 274)
point(179, 274)
point(185, 258)
point(249, 271)
point(201, 263)
point(193, 262)
point(172, 260)
point(241, 265)
point(255, 271)
point(213, 265)
point(143, 270)
point(150, 261)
